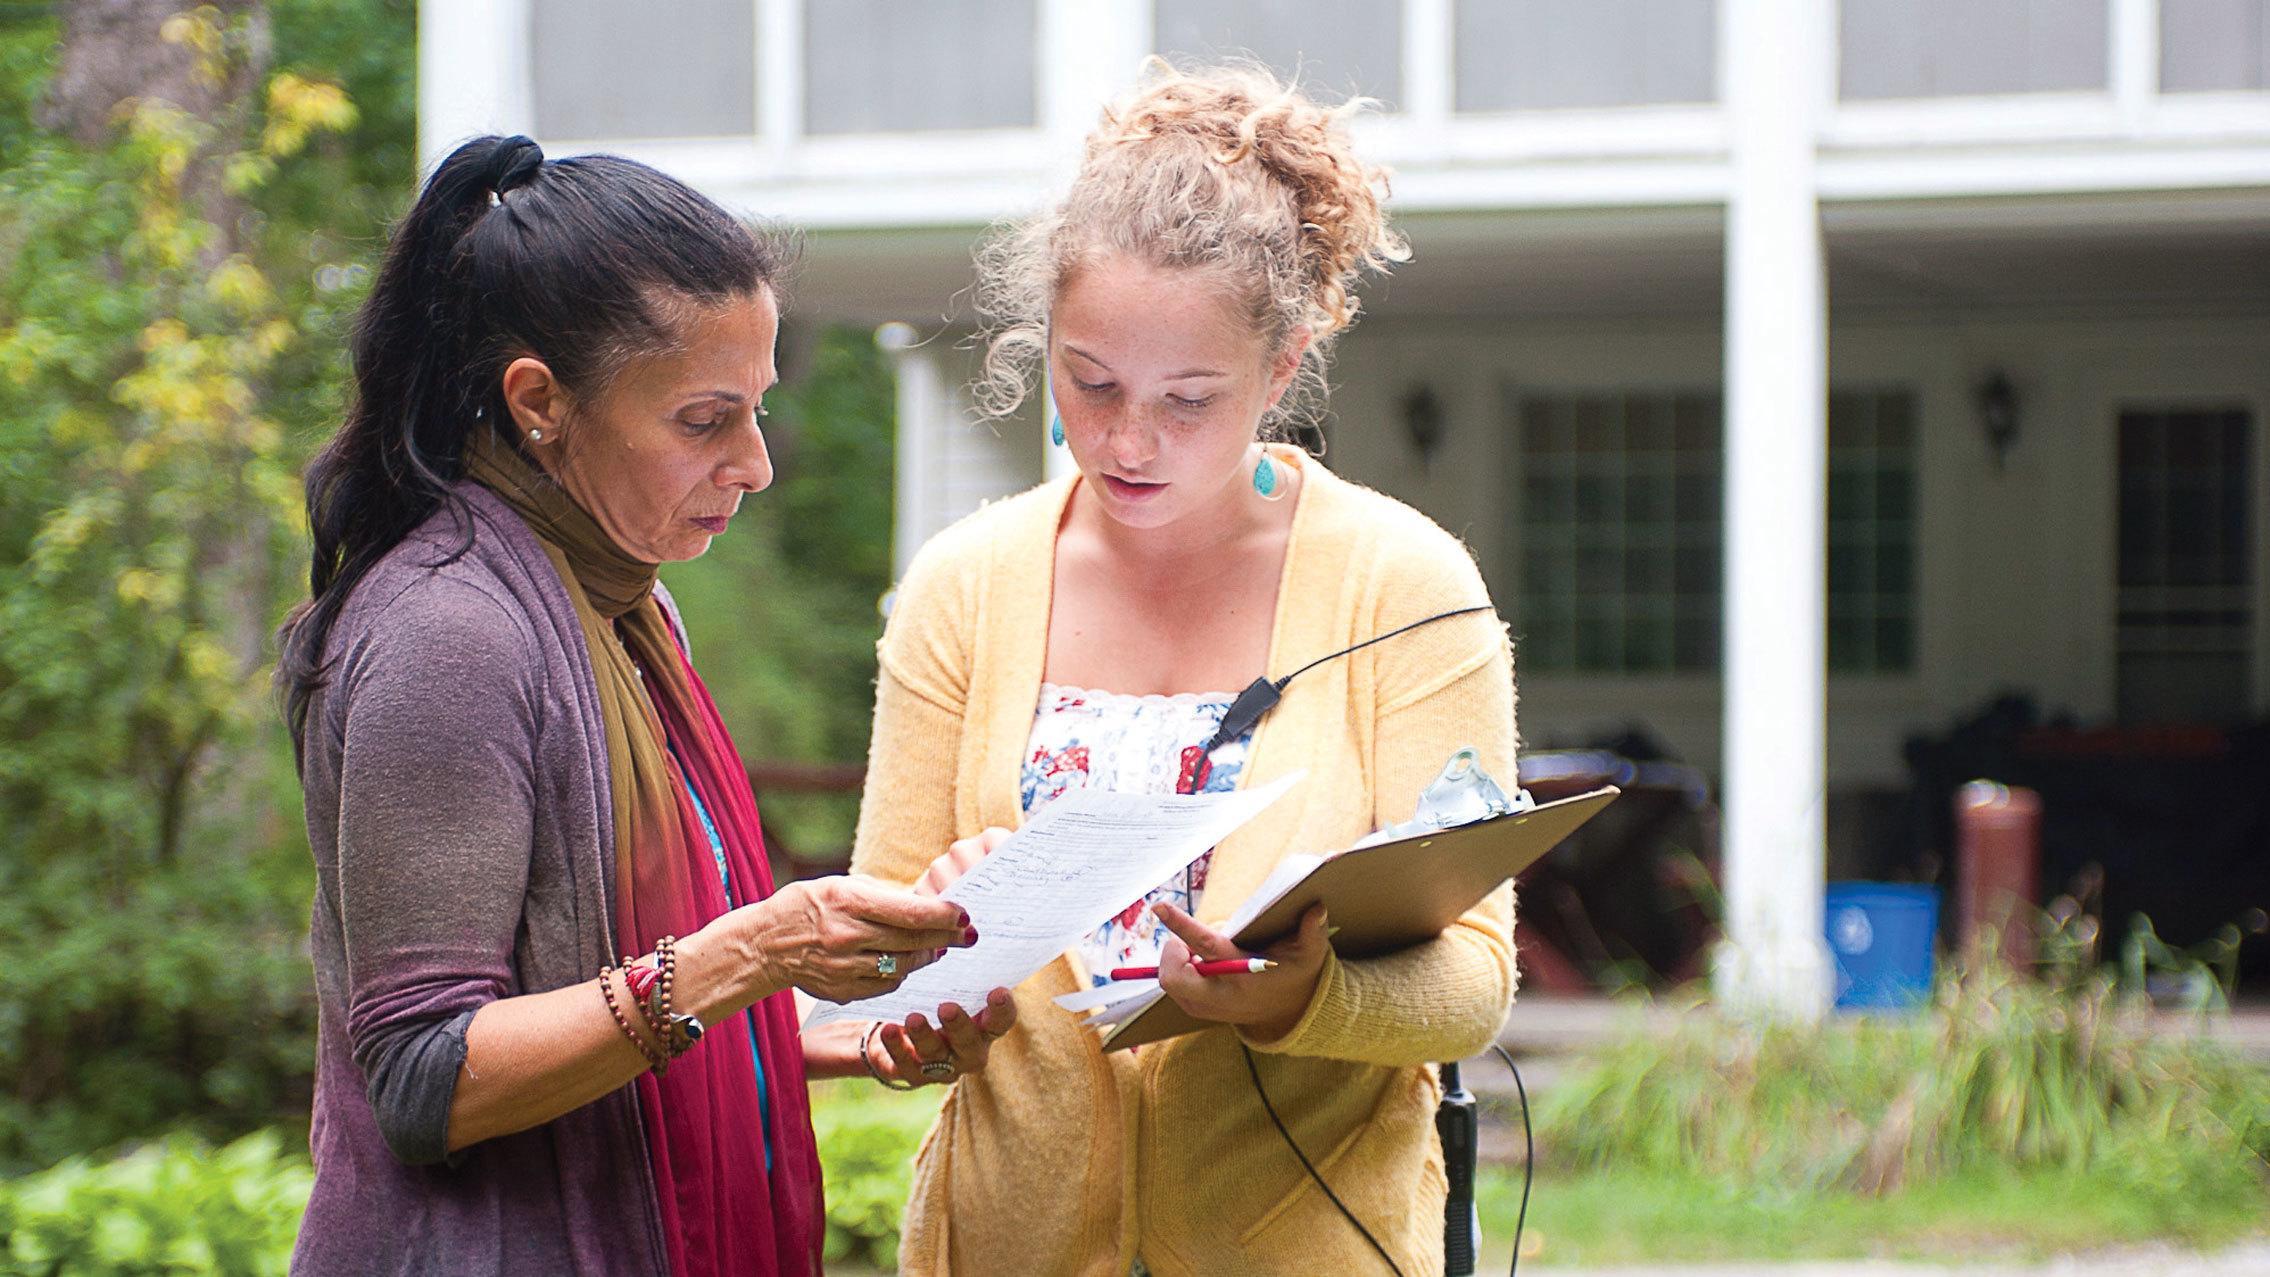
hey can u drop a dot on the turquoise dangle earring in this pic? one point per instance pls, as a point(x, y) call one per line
point(1056, 430)
point(1266, 480)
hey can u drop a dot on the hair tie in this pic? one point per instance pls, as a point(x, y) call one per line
point(511, 165)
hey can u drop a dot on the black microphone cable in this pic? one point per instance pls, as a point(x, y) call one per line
point(1528, 1156)
point(1451, 1249)
point(1254, 1072)
point(1244, 712)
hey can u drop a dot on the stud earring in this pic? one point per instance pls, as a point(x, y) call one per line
point(1056, 431)
point(535, 436)
point(1266, 480)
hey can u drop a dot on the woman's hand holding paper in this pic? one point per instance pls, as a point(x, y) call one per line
point(960, 855)
point(961, 1041)
point(838, 939)
point(1268, 1002)
point(918, 1052)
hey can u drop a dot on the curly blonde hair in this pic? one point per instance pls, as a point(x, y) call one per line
point(1219, 168)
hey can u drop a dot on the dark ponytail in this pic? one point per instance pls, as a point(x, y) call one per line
point(577, 262)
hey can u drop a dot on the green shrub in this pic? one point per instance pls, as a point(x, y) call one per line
point(178, 1206)
point(868, 1139)
point(1999, 1073)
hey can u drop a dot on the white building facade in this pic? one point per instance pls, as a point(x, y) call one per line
point(1802, 372)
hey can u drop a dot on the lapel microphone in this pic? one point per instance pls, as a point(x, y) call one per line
point(1262, 694)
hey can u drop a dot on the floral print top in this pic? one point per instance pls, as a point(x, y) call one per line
point(1131, 745)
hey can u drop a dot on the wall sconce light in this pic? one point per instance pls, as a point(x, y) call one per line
point(1997, 402)
point(1423, 422)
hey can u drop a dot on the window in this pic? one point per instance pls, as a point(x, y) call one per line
point(605, 70)
point(1338, 47)
point(889, 66)
point(1871, 598)
point(1620, 524)
point(2206, 45)
point(2185, 630)
point(1619, 532)
point(1940, 48)
point(1516, 55)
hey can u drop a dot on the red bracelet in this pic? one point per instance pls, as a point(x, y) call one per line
point(639, 977)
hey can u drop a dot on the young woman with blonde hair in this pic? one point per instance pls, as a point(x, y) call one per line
point(1182, 299)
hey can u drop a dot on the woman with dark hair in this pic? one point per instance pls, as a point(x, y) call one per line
point(514, 775)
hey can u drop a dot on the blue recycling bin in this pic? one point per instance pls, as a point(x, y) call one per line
point(1881, 935)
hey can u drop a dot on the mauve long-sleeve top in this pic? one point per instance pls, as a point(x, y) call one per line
point(455, 769)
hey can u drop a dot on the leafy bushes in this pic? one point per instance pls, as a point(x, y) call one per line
point(181, 1206)
point(868, 1138)
point(174, 1207)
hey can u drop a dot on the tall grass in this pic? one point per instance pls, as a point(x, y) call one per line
point(2000, 1072)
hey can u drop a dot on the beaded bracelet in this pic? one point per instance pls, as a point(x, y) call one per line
point(867, 1058)
point(655, 1059)
point(677, 1033)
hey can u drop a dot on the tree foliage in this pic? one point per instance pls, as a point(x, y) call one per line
point(169, 299)
point(783, 609)
point(174, 297)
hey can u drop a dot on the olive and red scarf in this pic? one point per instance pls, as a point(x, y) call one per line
point(723, 1211)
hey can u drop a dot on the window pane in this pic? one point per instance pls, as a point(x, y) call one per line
point(606, 70)
point(2214, 44)
point(1337, 47)
point(1607, 471)
point(1895, 643)
point(1941, 48)
point(1518, 55)
point(1695, 641)
point(1647, 499)
point(890, 66)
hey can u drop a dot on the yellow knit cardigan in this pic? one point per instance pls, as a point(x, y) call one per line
point(1059, 1159)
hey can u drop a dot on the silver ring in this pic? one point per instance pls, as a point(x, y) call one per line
point(938, 1070)
point(886, 964)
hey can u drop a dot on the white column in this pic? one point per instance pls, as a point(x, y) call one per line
point(1089, 51)
point(1775, 57)
point(1430, 66)
point(920, 431)
point(476, 73)
point(780, 77)
point(2134, 58)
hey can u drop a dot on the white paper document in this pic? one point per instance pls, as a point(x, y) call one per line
point(1081, 860)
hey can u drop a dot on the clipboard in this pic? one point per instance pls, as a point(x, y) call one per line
point(1393, 895)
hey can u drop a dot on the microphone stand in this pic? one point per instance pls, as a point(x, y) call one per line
point(1458, 1122)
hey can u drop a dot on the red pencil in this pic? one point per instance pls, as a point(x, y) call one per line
point(1223, 966)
